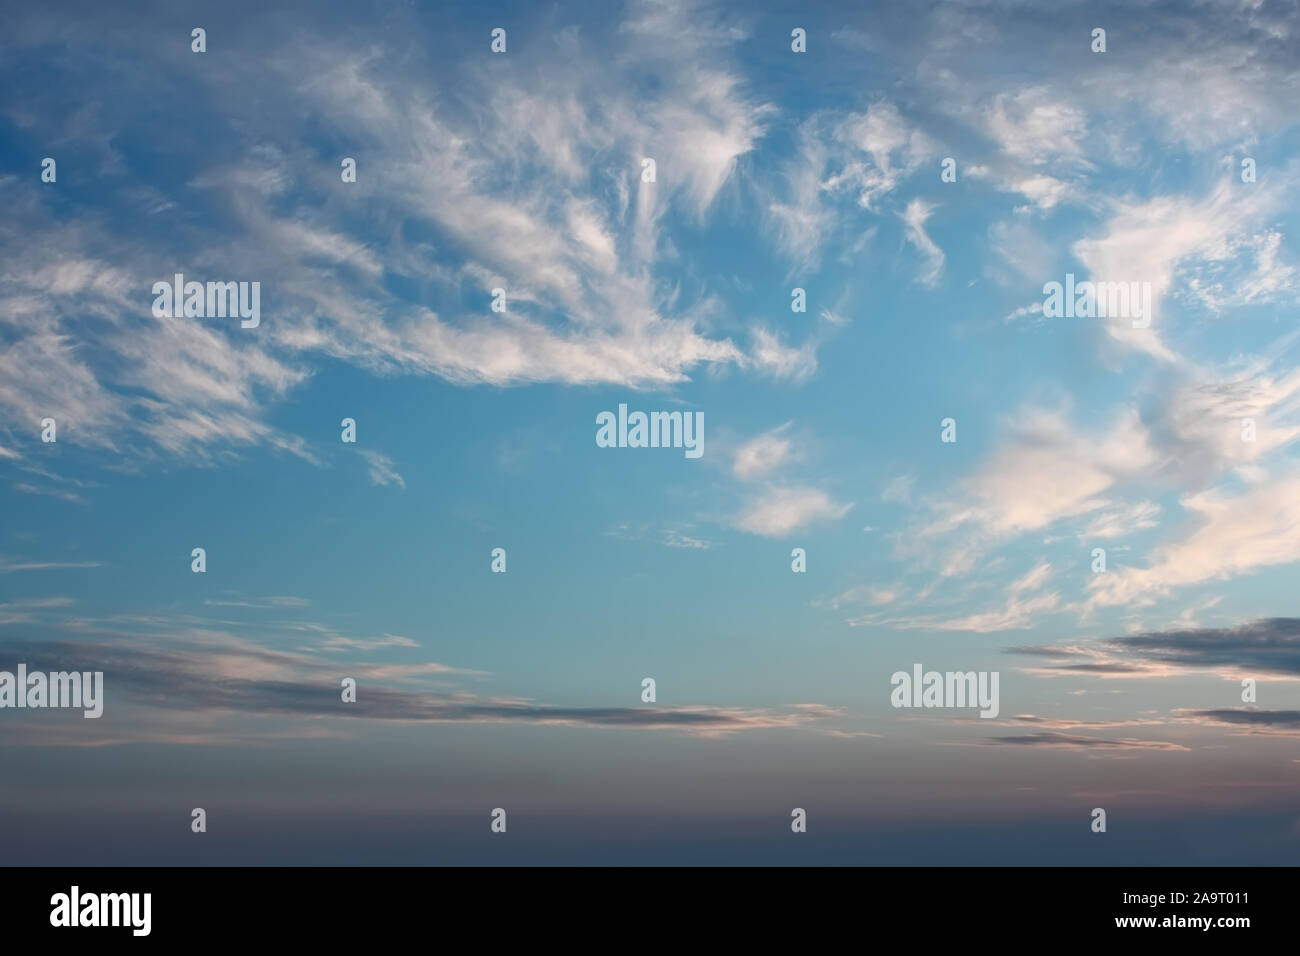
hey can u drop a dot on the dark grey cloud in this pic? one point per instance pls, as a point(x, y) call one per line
point(1265, 646)
point(1284, 719)
point(1107, 667)
point(1066, 723)
point(202, 676)
point(1052, 739)
point(1269, 644)
point(1045, 650)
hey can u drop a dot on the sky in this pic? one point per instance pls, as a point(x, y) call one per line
point(837, 259)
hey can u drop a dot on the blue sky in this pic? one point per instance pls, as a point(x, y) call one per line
point(774, 170)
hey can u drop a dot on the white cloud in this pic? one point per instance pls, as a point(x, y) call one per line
point(914, 218)
point(1121, 522)
point(1167, 237)
point(763, 454)
point(1035, 128)
point(579, 242)
point(11, 565)
point(1048, 470)
point(781, 511)
point(781, 361)
point(864, 156)
point(382, 469)
point(887, 149)
point(1021, 609)
point(1235, 534)
point(340, 643)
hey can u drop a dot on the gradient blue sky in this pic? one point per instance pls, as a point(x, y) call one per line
point(476, 430)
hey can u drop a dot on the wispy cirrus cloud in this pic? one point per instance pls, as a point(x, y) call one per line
point(274, 601)
point(382, 469)
point(859, 157)
point(1235, 534)
point(1024, 603)
point(914, 218)
point(578, 244)
point(682, 537)
point(9, 565)
point(1223, 436)
point(1156, 239)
